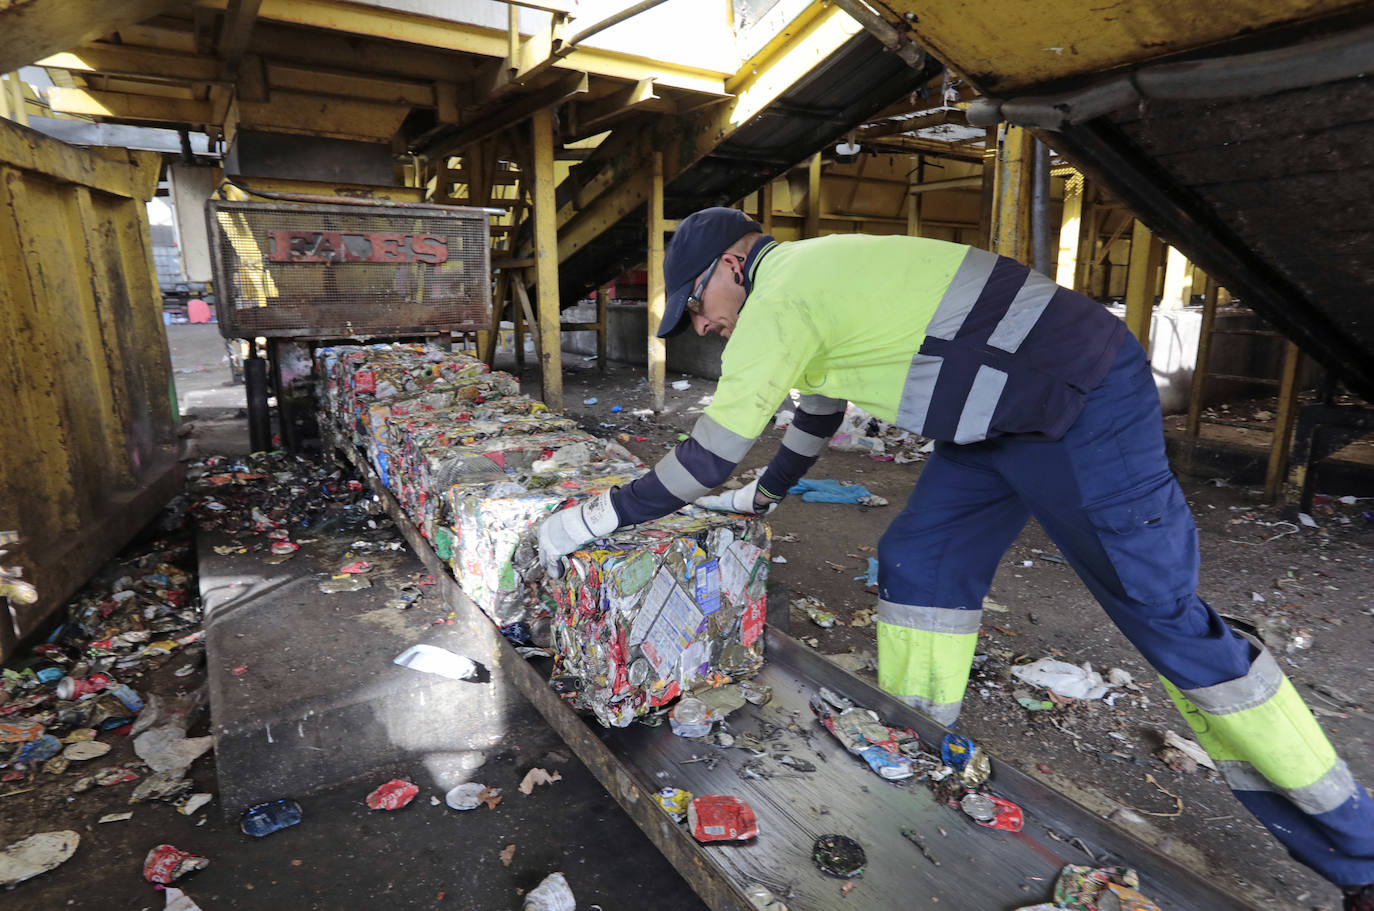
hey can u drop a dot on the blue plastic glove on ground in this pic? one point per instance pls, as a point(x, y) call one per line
point(830, 491)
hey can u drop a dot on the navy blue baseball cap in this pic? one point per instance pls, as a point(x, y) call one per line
point(700, 238)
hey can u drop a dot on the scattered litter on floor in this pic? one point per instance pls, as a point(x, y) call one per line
point(431, 659)
point(393, 795)
point(815, 609)
point(507, 855)
point(552, 894)
point(721, 817)
point(36, 854)
point(166, 864)
point(536, 777)
point(273, 816)
point(839, 856)
point(1063, 679)
point(828, 490)
point(1079, 888)
point(1183, 755)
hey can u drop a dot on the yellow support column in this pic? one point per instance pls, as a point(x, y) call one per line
point(18, 110)
point(1204, 354)
point(813, 197)
point(1011, 202)
point(657, 293)
point(546, 259)
point(1140, 284)
point(1283, 424)
point(1070, 229)
point(1178, 281)
point(766, 208)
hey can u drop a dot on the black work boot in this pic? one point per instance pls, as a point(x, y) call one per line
point(1361, 899)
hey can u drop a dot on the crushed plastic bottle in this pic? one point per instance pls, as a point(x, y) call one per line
point(273, 816)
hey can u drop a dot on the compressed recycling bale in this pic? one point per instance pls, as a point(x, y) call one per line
point(658, 610)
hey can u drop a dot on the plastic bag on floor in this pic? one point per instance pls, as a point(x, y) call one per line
point(1064, 679)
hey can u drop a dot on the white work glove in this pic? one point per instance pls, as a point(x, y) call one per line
point(740, 501)
point(568, 529)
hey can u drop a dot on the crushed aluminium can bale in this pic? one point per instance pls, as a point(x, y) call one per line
point(492, 540)
point(354, 376)
point(659, 609)
point(434, 455)
point(647, 614)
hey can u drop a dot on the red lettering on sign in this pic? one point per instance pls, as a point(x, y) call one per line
point(333, 247)
point(429, 248)
point(386, 248)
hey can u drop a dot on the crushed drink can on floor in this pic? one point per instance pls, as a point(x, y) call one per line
point(393, 795)
point(166, 864)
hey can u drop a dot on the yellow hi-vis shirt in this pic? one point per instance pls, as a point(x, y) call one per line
point(839, 316)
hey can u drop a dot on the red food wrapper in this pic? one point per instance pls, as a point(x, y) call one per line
point(282, 548)
point(166, 864)
point(357, 566)
point(393, 795)
point(720, 817)
point(1009, 817)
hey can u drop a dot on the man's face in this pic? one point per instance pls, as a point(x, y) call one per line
point(721, 297)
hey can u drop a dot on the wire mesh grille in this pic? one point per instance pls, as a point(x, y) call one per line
point(286, 269)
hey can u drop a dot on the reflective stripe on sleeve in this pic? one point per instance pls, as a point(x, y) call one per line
point(1023, 313)
point(976, 418)
point(720, 442)
point(678, 480)
point(962, 293)
point(918, 391)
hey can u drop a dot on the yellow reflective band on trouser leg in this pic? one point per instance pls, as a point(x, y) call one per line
point(926, 670)
point(1266, 739)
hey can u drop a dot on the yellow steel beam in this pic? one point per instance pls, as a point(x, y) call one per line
point(546, 259)
point(1070, 225)
point(604, 211)
point(125, 106)
point(394, 25)
point(36, 28)
point(1287, 413)
point(1178, 281)
point(624, 183)
point(1006, 45)
point(122, 60)
point(1011, 203)
point(297, 112)
point(503, 116)
point(313, 48)
point(810, 39)
point(350, 85)
point(593, 116)
point(813, 197)
point(657, 294)
point(1140, 284)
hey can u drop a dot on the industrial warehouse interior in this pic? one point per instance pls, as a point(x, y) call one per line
point(336, 328)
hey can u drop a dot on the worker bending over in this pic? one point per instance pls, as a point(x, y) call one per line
point(1041, 405)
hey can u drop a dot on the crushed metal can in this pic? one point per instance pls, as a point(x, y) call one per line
point(675, 802)
point(721, 817)
point(393, 795)
point(992, 812)
point(166, 864)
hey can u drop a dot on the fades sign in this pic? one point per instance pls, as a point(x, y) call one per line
point(340, 247)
